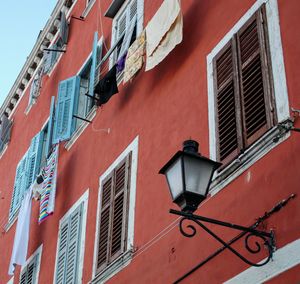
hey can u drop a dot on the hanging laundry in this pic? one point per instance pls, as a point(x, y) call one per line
point(47, 200)
point(164, 32)
point(107, 86)
point(37, 186)
point(121, 63)
point(20, 246)
point(135, 57)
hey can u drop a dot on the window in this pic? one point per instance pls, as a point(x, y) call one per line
point(247, 92)
point(29, 272)
point(73, 105)
point(243, 89)
point(70, 245)
point(127, 25)
point(114, 237)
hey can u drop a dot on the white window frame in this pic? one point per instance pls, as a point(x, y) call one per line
point(139, 26)
point(82, 200)
point(38, 263)
point(261, 147)
point(88, 7)
point(90, 115)
point(122, 261)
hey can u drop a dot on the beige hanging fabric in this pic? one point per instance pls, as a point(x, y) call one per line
point(163, 32)
point(135, 57)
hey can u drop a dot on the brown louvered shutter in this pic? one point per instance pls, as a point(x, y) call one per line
point(242, 82)
point(104, 231)
point(227, 103)
point(254, 76)
point(114, 214)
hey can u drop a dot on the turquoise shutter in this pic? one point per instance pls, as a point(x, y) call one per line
point(5, 129)
point(34, 158)
point(64, 28)
point(94, 64)
point(19, 187)
point(50, 127)
point(68, 248)
point(67, 102)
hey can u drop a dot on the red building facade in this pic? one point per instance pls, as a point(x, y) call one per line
point(230, 84)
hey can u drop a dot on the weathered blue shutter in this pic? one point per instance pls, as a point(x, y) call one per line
point(69, 247)
point(67, 102)
point(5, 129)
point(34, 158)
point(127, 37)
point(50, 58)
point(19, 187)
point(64, 28)
point(94, 64)
point(50, 127)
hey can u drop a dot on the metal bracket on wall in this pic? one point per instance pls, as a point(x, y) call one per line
point(286, 126)
point(81, 118)
point(80, 18)
point(55, 50)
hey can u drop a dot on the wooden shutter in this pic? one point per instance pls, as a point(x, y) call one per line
point(64, 28)
point(93, 66)
point(67, 102)
point(50, 58)
point(255, 87)
point(113, 214)
point(19, 187)
point(69, 247)
point(5, 130)
point(242, 82)
point(50, 127)
point(104, 231)
point(227, 103)
point(28, 274)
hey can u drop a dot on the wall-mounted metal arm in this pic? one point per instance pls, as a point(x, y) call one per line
point(80, 18)
point(265, 238)
point(259, 221)
point(55, 50)
point(81, 118)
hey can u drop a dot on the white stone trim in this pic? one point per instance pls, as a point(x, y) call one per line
point(38, 263)
point(284, 258)
point(115, 267)
point(83, 199)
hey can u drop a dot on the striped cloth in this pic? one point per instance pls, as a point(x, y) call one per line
point(49, 185)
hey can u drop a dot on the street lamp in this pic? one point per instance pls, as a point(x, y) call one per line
point(189, 176)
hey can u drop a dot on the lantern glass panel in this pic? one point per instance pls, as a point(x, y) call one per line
point(174, 178)
point(197, 174)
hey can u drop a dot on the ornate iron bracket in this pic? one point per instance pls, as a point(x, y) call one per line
point(267, 238)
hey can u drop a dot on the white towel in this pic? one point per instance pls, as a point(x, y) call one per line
point(163, 32)
point(20, 245)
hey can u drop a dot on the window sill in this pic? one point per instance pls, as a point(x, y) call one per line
point(116, 266)
point(81, 128)
point(259, 149)
point(88, 8)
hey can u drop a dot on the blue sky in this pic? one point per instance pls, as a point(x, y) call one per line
point(20, 23)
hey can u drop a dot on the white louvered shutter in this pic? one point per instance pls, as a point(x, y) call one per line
point(68, 248)
point(29, 273)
